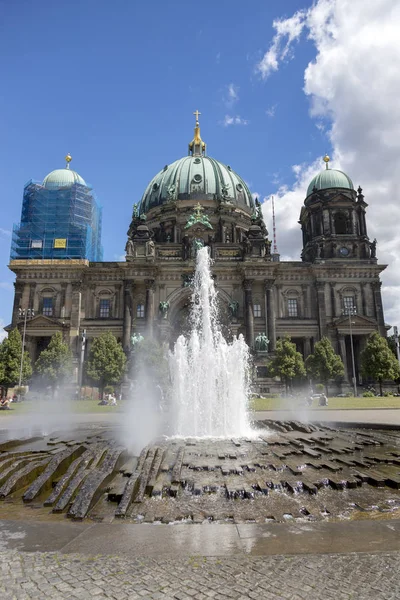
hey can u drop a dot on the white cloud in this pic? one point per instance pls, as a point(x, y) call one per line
point(287, 31)
point(234, 120)
point(270, 111)
point(233, 92)
point(354, 81)
point(230, 95)
point(3, 334)
point(5, 232)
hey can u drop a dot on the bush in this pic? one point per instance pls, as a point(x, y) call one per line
point(20, 391)
point(386, 394)
point(368, 394)
point(319, 388)
point(108, 389)
point(350, 395)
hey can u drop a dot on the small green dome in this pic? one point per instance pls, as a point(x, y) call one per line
point(197, 178)
point(328, 179)
point(62, 178)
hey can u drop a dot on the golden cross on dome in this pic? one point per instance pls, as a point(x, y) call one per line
point(197, 113)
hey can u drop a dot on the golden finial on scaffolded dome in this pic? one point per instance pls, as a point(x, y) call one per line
point(68, 158)
point(326, 160)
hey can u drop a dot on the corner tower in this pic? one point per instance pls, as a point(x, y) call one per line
point(333, 219)
point(60, 219)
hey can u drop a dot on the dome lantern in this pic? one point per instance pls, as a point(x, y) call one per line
point(197, 147)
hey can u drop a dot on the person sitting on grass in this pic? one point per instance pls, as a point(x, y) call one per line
point(4, 403)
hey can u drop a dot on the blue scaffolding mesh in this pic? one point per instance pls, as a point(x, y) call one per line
point(58, 223)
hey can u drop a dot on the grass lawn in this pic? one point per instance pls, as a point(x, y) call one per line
point(75, 406)
point(334, 403)
point(91, 406)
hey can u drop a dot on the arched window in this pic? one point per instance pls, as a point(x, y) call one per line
point(342, 224)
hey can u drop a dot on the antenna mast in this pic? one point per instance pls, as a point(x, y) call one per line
point(274, 226)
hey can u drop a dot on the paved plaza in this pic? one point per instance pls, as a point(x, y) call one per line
point(317, 577)
point(44, 555)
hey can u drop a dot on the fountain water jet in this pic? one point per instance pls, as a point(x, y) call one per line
point(210, 378)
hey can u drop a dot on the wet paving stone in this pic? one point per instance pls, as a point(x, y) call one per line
point(288, 470)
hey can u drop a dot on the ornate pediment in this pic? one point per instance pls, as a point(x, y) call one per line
point(359, 324)
point(41, 321)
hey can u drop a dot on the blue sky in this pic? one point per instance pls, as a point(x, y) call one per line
point(115, 84)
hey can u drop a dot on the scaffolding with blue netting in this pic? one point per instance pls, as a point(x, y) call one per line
point(61, 223)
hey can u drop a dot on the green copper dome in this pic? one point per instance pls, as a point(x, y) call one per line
point(61, 178)
point(197, 178)
point(328, 179)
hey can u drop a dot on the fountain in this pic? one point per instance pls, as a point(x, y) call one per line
point(210, 377)
point(214, 467)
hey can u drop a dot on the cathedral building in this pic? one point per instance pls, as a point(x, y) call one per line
point(196, 201)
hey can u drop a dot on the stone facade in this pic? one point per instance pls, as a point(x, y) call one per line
point(149, 293)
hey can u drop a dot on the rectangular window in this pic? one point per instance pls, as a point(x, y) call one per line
point(104, 308)
point(348, 304)
point(257, 310)
point(292, 307)
point(140, 311)
point(47, 307)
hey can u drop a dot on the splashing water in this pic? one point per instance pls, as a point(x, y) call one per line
point(210, 378)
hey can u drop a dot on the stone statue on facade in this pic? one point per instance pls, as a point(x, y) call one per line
point(171, 193)
point(129, 248)
point(151, 249)
point(186, 247)
point(261, 343)
point(268, 244)
point(197, 244)
point(164, 308)
point(246, 246)
point(373, 248)
point(233, 308)
point(136, 338)
point(225, 192)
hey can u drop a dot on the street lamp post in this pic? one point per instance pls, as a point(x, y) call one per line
point(396, 339)
point(351, 311)
point(24, 313)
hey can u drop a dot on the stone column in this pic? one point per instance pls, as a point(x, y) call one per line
point(363, 300)
point(376, 288)
point(62, 300)
point(306, 307)
point(18, 289)
point(320, 289)
point(127, 317)
point(75, 321)
point(248, 311)
point(333, 300)
point(307, 347)
point(271, 317)
point(149, 310)
point(32, 289)
point(343, 355)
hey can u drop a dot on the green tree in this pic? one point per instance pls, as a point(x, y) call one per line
point(149, 360)
point(378, 361)
point(324, 364)
point(287, 364)
point(10, 359)
point(107, 361)
point(54, 364)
